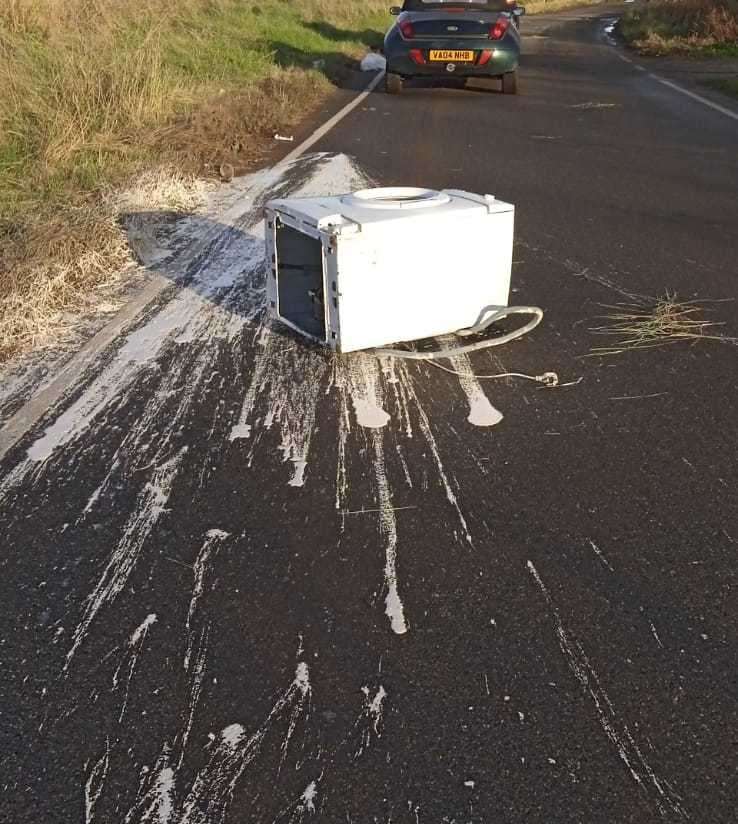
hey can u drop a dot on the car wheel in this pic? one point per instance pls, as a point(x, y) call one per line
point(393, 83)
point(510, 83)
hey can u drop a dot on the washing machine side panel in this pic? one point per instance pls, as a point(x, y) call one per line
point(271, 257)
point(410, 279)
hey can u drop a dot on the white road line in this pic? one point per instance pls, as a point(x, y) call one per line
point(38, 405)
point(332, 123)
point(677, 88)
point(698, 97)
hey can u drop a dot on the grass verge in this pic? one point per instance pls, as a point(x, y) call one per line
point(95, 92)
point(544, 6)
point(699, 28)
point(726, 85)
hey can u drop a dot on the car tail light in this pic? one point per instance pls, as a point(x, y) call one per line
point(485, 57)
point(497, 31)
point(406, 27)
point(417, 56)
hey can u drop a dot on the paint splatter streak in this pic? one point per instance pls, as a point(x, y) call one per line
point(658, 790)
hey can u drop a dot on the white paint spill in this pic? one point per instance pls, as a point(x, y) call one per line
point(394, 608)
point(298, 479)
point(230, 260)
point(149, 507)
point(401, 397)
point(369, 413)
point(655, 635)
point(263, 363)
point(361, 376)
point(232, 735)
point(135, 645)
point(139, 633)
point(309, 796)
point(376, 708)
point(598, 552)
point(202, 566)
point(155, 800)
point(95, 783)
point(369, 723)
point(657, 789)
point(198, 632)
point(96, 495)
point(481, 411)
point(212, 791)
point(430, 438)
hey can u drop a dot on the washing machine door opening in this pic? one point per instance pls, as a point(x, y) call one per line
point(300, 280)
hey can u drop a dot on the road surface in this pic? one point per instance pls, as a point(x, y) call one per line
point(243, 581)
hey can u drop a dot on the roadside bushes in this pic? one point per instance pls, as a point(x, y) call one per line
point(683, 26)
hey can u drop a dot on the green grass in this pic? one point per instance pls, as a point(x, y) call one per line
point(78, 94)
point(94, 92)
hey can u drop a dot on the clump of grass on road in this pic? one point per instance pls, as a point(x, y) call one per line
point(691, 27)
point(93, 92)
point(668, 321)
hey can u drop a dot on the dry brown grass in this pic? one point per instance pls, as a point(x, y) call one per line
point(683, 26)
point(667, 321)
point(75, 260)
point(94, 91)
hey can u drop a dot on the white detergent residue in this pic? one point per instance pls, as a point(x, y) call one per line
point(598, 552)
point(95, 497)
point(309, 796)
point(165, 792)
point(263, 363)
point(666, 800)
point(394, 608)
point(481, 411)
point(298, 479)
point(430, 439)
point(376, 708)
point(290, 382)
point(135, 644)
point(363, 380)
point(399, 391)
point(198, 630)
point(232, 735)
point(225, 261)
point(148, 508)
point(140, 632)
point(655, 634)
point(95, 783)
point(213, 787)
point(369, 724)
point(155, 800)
point(201, 568)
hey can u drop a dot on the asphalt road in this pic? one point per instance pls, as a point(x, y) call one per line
point(245, 582)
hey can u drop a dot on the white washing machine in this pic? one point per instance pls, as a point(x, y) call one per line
point(386, 265)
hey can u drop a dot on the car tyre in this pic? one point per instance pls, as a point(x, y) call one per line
point(393, 84)
point(510, 83)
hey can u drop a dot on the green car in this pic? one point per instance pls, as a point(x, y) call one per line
point(454, 38)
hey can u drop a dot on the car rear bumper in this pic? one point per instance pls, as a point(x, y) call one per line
point(500, 62)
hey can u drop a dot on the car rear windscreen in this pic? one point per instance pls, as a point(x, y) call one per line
point(447, 5)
